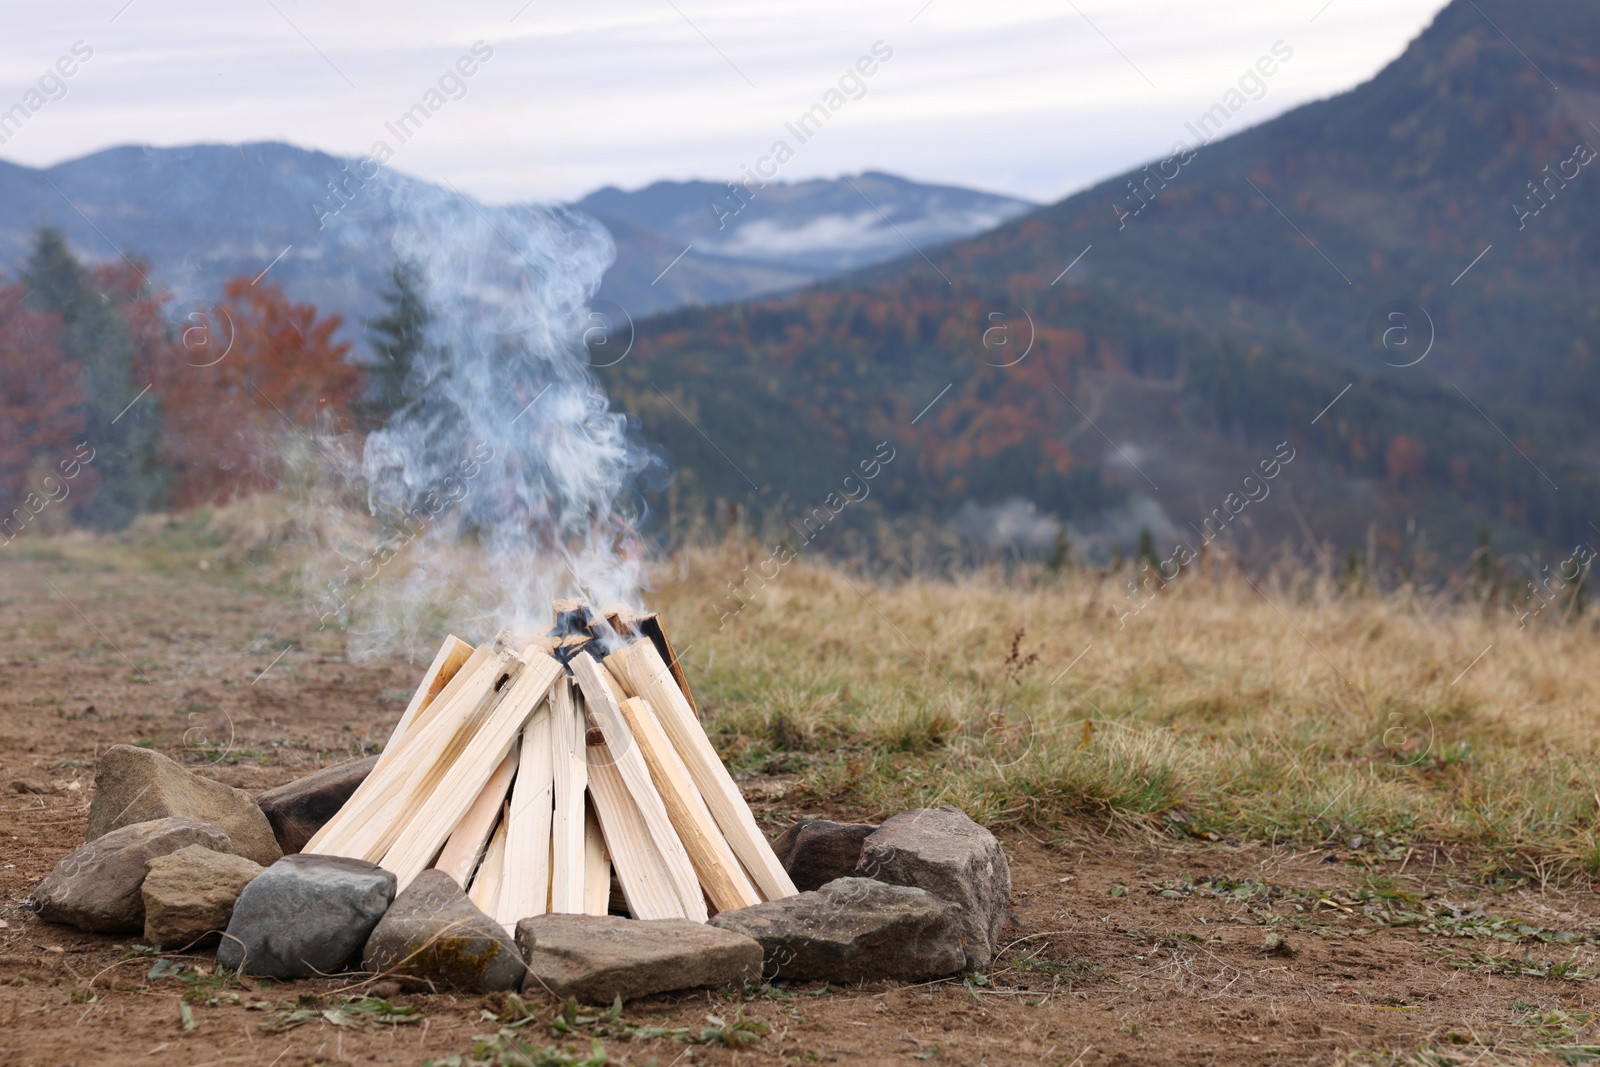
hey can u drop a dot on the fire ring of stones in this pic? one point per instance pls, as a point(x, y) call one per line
point(547, 815)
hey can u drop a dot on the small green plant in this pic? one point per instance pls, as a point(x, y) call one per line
point(505, 1050)
point(1059, 970)
point(508, 1048)
point(571, 1019)
point(212, 987)
point(1525, 966)
point(362, 1013)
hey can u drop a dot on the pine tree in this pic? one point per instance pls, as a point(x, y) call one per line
point(96, 337)
point(1147, 548)
point(397, 337)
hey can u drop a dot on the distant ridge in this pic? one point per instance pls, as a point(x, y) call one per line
point(1156, 356)
point(203, 213)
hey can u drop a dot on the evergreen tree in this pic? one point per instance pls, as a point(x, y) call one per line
point(1147, 548)
point(96, 337)
point(1061, 558)
point(398, 337)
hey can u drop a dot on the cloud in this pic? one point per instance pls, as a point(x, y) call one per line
point(1022, 98)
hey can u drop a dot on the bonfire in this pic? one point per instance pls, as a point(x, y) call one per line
point(561, 773)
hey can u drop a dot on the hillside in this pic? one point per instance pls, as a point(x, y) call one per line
point(1208, 316)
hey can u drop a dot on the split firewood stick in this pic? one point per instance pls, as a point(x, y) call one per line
point(570, 767)
point(720, 874)
point(630, 764)
point(465, 847)
point(527, 886)
point(640, 669)
point(646, 883)
point(651, 627)
point(596, 866)
point(722, 877)
point(444, 805)
point(386, 793)
point(417, 772)
point(488, 882)
point(454, 657)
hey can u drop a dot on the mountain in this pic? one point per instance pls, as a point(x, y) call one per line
point(779, 235)
point(200, 215)
point(203, 213)
point(1394, 283)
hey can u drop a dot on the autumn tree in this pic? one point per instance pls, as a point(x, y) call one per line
point(41, 399)
point(1405, 460)
point(236, 379)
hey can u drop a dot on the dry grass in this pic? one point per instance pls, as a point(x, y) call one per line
point(1275, 708)
point(1278, 708)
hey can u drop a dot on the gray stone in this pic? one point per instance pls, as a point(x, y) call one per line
point(136, 785)
point(816, 851)
point(598, 958)
point(298, 810)
point(97, 885)
point(952, 857)
point(305, 915)
point(189, 895)
point(854, 930)
point(434, 933)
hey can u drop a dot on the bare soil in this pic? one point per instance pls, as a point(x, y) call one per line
point(1124, 947)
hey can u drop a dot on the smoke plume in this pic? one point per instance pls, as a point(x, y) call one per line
point(507, 480)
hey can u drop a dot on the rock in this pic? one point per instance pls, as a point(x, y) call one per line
point(135, 785)
point(816, 851)
point(305, 915)
point(96, 886)
point(189, 895)
point(854, 930)
point(433, 932)
point(298, 810)
point(598, 958)
point(952, 857)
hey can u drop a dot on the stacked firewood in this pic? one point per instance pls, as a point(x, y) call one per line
point(539, 771)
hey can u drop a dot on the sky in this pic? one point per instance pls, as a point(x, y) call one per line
point(1034, 99)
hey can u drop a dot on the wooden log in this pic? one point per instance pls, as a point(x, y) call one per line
point(452, 658)
point(428, 824)
point(642, 672)
point(527, 888)
point(431, 751)
point(721, 877)
point(646, 883)
point(570, 770)
point(596, 865)
point(301, 808)
point(624, 749)
point(567, 611)
point(628, 623)
point(488, 882)
point(714, 863)
point(361, 828)
point(650, 626)
point(465, 847)
point(445, 677)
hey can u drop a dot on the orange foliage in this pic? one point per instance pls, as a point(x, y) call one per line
point(1404, 460)
point(235, 380)
point(41, 401)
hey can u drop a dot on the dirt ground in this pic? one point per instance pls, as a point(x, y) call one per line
point(1122, 948)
